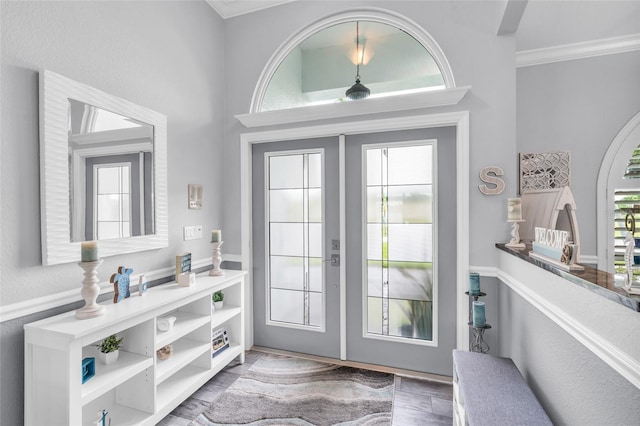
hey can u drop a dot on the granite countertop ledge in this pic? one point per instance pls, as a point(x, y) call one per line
point(592, 279)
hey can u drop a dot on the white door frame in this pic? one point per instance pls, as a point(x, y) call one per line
point(458, 119)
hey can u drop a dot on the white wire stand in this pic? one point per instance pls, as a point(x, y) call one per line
point(515, 242)
point(217, 260)
point(90, 291)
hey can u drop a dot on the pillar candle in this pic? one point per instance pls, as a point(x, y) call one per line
point(216, 236)
point(478, 314)
point(89, 251)
point(474, 283)
point(514, 209)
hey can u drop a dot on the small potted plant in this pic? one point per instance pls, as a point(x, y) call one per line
point(217, 298)
point(108, 350)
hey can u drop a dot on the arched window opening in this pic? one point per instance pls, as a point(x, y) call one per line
point(320, 68)
point(618, 203)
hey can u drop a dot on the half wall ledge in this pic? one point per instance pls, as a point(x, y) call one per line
point(592, 279)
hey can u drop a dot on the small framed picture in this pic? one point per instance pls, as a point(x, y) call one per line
point(219, 341)
point(195, 196)
point(183, 264)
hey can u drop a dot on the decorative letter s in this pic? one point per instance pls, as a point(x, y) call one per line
point(486, 177)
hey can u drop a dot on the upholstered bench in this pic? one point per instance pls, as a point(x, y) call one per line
point(488, 390)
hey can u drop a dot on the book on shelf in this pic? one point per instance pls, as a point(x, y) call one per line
point(183, 264)
point(219, 341)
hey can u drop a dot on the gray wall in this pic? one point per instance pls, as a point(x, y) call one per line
point(466, 33)
point(578, 106)
point(574, 386)
point(162, 55)
point(166, 56)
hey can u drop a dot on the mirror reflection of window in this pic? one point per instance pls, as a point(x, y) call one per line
point(100, 139)
point(112, 201)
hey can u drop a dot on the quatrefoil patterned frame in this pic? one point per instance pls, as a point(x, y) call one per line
point(544, 170)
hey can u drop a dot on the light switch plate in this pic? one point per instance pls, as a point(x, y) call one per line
point(192, 232)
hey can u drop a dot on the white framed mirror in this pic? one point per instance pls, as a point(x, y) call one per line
point(103, 172)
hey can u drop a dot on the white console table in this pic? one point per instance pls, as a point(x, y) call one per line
point(139, 388)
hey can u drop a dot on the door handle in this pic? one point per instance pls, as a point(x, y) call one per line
point(335, 260)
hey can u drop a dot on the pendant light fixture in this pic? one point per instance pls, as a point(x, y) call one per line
point(358, 90)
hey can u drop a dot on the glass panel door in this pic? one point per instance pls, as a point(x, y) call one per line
point(401, 234)
point(294, 223)
point(295, 216)
point(399, 221)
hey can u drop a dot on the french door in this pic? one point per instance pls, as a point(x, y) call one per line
point(400, 249)
point(399, 291)
point(295, 217)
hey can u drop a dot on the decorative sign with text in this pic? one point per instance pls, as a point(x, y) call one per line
point(553, 246)
point(551, 237)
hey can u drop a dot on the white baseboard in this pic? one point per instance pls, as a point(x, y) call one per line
point(485, 271)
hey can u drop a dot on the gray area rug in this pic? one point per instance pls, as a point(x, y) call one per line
point(280, 390)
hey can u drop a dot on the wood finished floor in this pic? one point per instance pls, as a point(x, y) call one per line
point(415, 402)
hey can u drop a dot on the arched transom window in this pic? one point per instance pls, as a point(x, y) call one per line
point(320, 69)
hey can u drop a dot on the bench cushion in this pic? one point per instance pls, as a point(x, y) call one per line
point(493, 391)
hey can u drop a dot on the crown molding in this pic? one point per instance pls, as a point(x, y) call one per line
point(230, 8)
point(587, 49)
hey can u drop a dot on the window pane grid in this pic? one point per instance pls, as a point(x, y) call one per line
point(295, 240)
point(399, 215)
point(112, 201)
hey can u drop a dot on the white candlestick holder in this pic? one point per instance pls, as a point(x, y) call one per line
point(90, 291)
point(515, 242)
point(217, 260)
